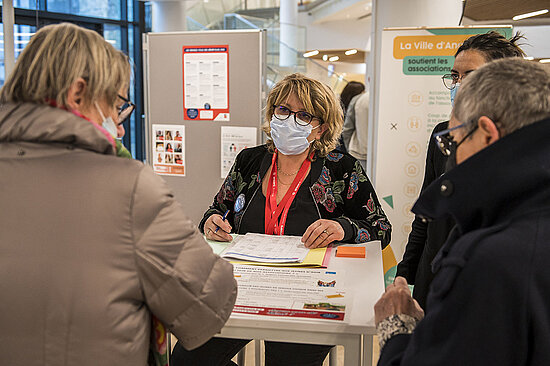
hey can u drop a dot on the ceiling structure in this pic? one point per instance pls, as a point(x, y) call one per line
point(475, 11)
point(358, 58)
point(483, 10)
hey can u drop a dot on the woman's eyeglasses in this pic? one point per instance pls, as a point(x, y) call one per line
point(125, 110)
point(450, 80)
point(300, 117)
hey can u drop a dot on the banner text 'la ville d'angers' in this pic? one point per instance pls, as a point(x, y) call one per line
point(412, 100)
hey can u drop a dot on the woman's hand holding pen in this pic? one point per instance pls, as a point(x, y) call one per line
point(217, 228)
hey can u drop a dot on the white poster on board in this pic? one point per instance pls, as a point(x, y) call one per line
point(168, 153)
point(235, 139)
point(206, 82)
point(412, 101)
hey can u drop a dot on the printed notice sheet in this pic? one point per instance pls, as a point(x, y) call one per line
point(205, 82)
point(267, 248)
point(234, 140)
point(169, 150)
point(290, 292)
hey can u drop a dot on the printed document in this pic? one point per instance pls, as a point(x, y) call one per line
point(291, 292)
point(267, 248)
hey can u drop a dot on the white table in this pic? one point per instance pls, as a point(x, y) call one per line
point(364, 278)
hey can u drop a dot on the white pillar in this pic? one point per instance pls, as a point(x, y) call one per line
point(400, 13)
point(168, 16)
point(288, 18)
point(8, 19)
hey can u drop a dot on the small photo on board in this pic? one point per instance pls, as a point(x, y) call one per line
point(178, 136)
point(160, 146)
point(178, 159)
point(168, 159)
point(169, 147)
point(160, 159)
point(159, 135)
point(177, 147)
point(168, 135)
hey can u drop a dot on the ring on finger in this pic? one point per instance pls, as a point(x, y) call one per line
point(325, 231)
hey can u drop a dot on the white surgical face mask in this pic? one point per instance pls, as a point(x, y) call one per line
point(453, 93)
point(107, 123)
point(290, 138)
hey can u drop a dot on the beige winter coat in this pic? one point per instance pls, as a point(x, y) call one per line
point(89, 245)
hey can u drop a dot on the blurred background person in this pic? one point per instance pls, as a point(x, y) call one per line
point(80, 283)
point(426, 238)
point(294, 185)
point(355, 132)
point(350, 91)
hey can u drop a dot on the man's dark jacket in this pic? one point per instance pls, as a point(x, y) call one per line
point(490, 300)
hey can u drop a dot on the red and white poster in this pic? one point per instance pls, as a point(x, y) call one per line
point(206, 83)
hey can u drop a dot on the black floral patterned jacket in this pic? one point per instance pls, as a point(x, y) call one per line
point(340, 190)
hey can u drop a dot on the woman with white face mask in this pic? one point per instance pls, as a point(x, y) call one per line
point(293, 185)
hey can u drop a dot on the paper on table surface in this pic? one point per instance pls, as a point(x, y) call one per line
point(267, 249)
point(315, 258)
point(291, 292)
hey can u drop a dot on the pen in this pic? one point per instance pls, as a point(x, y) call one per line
point(223, 219)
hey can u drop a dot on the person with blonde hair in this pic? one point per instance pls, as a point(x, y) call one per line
point(86, 263)
point(297, 185)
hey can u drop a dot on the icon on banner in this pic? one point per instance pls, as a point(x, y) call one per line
point(413, 149)
point(410, 189)
point(415, 98)
point(414, 123)
point(411, 169)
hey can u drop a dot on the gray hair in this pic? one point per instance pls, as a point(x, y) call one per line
point(512, 92)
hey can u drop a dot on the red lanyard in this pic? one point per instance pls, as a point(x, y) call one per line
point(275, 215)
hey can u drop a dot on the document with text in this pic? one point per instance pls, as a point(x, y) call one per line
point(291, 292)
point(267, 248)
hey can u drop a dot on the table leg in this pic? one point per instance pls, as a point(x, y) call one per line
point(367, 349)
point(352, 352)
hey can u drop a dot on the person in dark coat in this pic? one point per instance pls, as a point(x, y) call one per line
point(490, 299)
point(426, 238)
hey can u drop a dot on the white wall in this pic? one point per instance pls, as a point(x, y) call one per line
point(537, 43)
point(341, 34)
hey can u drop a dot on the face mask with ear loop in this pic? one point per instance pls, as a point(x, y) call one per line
point(289, 137)
point(453, 93)
point(107, 123)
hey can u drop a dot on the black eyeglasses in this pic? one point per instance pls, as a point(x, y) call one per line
point(450, 80)
point(445, 141)
point(125, 110)
point(300, 117)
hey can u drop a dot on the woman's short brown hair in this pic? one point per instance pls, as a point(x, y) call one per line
point(318, 100)
point(56, 56)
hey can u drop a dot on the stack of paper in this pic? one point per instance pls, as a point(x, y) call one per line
point(273, 250)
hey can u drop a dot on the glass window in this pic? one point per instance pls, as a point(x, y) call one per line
point(21, 35)
point(94, 8)
point(130, 10)
point(25, 4)
point(113, 35)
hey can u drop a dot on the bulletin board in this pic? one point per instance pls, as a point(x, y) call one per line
point(196, 85)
